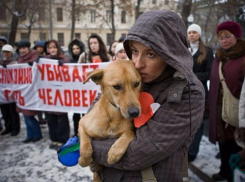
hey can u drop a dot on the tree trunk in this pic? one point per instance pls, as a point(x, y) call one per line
point(113, 30)
point(14, 21)
point(186, 11)
point(137, 9)
point(73, 18)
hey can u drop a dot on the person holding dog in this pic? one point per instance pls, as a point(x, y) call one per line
point(157, 45)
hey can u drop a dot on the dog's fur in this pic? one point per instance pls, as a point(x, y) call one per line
point(112, 116)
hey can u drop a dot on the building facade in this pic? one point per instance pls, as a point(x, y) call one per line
point(53, 19)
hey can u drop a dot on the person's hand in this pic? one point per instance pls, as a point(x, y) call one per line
point(235, 159)
point(4, 65)
point(60, 63)
point(30, 63)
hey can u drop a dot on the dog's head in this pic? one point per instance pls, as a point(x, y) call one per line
point(121, 83)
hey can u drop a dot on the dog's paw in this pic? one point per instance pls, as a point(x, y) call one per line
point(84, 162)
point(113, 157)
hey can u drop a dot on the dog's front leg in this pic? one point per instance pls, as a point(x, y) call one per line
point(119, 147)
point(85, 148)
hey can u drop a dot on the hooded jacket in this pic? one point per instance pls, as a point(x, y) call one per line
point(80, 44)
point(163, 141)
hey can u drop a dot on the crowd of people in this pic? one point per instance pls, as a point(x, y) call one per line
point(167, 58)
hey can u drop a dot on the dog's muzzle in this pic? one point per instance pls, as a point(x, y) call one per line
point(133, 112)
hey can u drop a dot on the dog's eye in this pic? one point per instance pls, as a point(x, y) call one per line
point(117, 87)
point(136, 84)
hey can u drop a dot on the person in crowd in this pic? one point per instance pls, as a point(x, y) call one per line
point(10, 115)
point(46, 50)
point(97, 51)
point(231, 56)
point(39, 47)
point(112, 49)
point(58, 122)
point(120, 52)
point(34, 133)
point(161, 143)
point(75, 49)
point(3, 41)
point(121, 39)
point(16, 49)
point(203, 59)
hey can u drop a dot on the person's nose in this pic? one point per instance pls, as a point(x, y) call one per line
point(139, 62)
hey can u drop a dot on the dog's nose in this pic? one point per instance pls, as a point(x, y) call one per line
point(134, 112)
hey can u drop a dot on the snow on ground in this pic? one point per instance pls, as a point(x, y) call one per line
point(35, 162)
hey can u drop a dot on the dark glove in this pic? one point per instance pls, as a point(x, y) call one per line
point(30, 63)
point(235, 159)
point(37, 60)
point(60, 63)
point(4, 65)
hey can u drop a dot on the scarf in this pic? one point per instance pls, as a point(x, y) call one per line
point(235, 52)
point(160, 83)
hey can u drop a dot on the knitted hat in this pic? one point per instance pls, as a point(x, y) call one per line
point(119, 47)
point(195, 27)
point(24, 43)
point(231, 26)
point(39, 43)
point(8, 48)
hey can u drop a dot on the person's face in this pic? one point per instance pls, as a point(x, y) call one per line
point(94, 45)
point(113, 47)
point(76, 50)
point(53, 50)
point(24, 50)
point(147, 62)
point(7, 54)
point(39, 49)
point(193, 36)
point(121, 54)
point(227, 40)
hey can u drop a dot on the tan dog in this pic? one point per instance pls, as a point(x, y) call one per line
point(112, 116)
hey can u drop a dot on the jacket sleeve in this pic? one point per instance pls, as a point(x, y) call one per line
point(81, 58)
point(204, 76)
point(161, 136)
point(242, 106)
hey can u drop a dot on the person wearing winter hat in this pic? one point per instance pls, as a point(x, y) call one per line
point(10, 115)
point(75, 49)
point(34, 133)
point(120, 52)
point(39, 47)
point(3, 41)
point(202, 63)
point(230, 56)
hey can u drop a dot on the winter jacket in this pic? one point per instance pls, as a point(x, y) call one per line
point(202, 71)
point(163, 141)
point(233, 72)
point(30, 57)
point(242, 107)
point(74, 58)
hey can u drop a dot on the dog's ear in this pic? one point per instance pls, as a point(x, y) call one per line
point(95, 75)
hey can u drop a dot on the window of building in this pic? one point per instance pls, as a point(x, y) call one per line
point(154, 1)
point(59, 14)
point(24, 36)
point(3, 13)
point(78, 36)
point(108, 15)
point(123, 17)
point(61, 39)
point(41, 14)
point(109, 39)
point(93, 15)
point(166, 2)
point(43, 36)
point(5, 34)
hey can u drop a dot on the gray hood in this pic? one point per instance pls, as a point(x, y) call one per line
point(165, 32)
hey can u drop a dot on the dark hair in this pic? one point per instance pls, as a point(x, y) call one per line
point(111, 53)
point(202, 49)
point(59, 50)
point(102, 48)
point(24, 43)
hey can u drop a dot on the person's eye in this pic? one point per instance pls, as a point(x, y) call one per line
point(150, 55)
point(134, 51)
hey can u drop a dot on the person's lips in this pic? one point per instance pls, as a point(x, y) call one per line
point(143, 74)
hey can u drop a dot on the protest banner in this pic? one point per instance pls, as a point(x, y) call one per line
point(46, 86)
